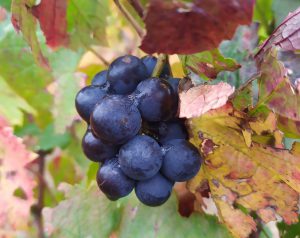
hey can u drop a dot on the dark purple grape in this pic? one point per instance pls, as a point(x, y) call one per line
point(171, 130)
point(140, 158)
point(150, 62)
point(86, 100)
point(154, 191)
point(181, 161)
point(112, 181)
point(125, 73)
point(96, 150)
point(174, 82)
point(100, 79)
point(116, 119)
point(155, 100)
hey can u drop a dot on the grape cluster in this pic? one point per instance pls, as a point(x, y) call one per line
point(133, 131)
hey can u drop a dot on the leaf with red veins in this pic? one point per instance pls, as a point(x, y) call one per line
point(24, 21)
point(199, 100)
point(286, 35)
point(275, 88)
point(15, 179)
point(209, 63)
point(52, 17)
point(187, 28)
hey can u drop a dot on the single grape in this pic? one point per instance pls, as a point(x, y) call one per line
point(125, 73)
point(171, 130)
point(174, 82)
point(112, 181)
point(150, 62)
point(100, 79)
point(181, 161)
point(95, 149)
point(86, 99)
point(116, 119)
point(154, 191)
point(155, 99)
point(140, 158)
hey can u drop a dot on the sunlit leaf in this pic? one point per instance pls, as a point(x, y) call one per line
point(260, 178)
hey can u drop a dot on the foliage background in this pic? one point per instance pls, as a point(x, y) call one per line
point(37, 104)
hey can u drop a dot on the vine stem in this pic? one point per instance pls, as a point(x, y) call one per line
point(100, 57)
point(132, 21)
point(161, 61)
point(138, 7)
point(41, 190)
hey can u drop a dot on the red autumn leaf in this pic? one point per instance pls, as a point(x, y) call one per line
point(52, 17)
point(14, 179)
point(199, 100)
point(285, 36)
point(186, 28)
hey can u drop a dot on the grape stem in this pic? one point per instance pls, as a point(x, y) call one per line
point(161, 61)
point(138, 7)
point(131, 20)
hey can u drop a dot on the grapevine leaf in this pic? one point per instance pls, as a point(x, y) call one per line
point(289, 231)
point(67, 83)
point(14, 157)
point(25, 22)
point(285, 36)
point(20, 72)
point(209, 63)
point(259, 178)
point(189, 28)
point(84, 213)
point(86, 22)
point(6, 4)
point(89, 212)
point(142, 221)
point(52, 18)
point(291, 128)
point(277, 92)
point(12, 105)
point(198, 100)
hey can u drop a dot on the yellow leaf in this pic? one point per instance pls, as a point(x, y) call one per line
point(258, 177)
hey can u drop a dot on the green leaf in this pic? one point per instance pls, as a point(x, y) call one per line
point(58, 167)
point(87, 22)
point(12, 105)
point(22, 74)
point(49, 140)
point(64, 64)
point(289, 231)
point(139, 220)
point(85, 212)
point(25, 22)
point(263, 13)
point(74, 150)
point(45, 139)
point(88, 213)
point(209, 64)
point(6, 4)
